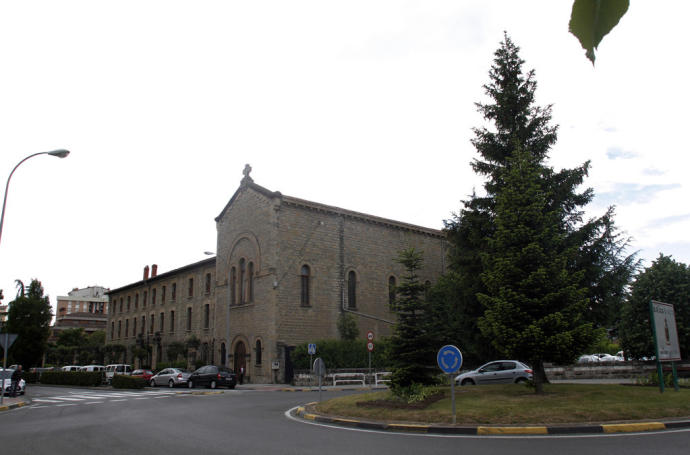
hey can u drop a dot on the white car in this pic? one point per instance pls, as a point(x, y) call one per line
point(6, 378)
point(71, 368)
point(603, 357)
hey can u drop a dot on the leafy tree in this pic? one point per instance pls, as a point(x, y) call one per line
point(534, 304)
point(347, 327)
point(411, 350)
point(665, 281)
point(591, 20)
point(175, 350)
point(29, 317)
point(597, 259)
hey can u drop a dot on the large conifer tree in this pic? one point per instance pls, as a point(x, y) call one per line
point(534, 304)
point(517, 123)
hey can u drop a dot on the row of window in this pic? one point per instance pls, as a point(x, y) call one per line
point(173, 296)
point(161, 323)
point(305, 288)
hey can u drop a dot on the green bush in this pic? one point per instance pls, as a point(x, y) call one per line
point(344, 354)
point(30, 378)
point(80, 378)
point(121, 381)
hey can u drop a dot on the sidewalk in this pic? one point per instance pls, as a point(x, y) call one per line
point(13, 403)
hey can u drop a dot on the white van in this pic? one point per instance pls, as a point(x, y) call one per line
point(116, 368)
point(92, 368)
point(71, 368)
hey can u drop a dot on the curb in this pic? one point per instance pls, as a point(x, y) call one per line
point(634, 427)
point(7, 407)
point(216, 392)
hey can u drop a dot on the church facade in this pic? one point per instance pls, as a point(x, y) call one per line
point(285, 270)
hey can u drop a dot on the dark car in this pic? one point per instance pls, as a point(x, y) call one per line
point(212, 376)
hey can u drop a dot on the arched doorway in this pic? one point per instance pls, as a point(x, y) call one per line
point(240, 358)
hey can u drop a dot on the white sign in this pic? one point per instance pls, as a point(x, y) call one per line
point(275, 365)
point(370, 335)
point(664, 322)
point(370, 346)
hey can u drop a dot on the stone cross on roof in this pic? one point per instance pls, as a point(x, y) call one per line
point(247, 170)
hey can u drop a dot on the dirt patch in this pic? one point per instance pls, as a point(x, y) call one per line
point(397, 404)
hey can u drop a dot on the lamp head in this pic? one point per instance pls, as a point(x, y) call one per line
point(61, 153)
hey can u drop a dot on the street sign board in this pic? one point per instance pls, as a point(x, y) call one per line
point(668, 349)
point(370, 346)
point(319, 367)
point(7, 338)
point(449, 358)
point(370, 335)
point(311, 349)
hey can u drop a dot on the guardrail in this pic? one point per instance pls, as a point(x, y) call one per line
point(347, 377)
point(382, 377)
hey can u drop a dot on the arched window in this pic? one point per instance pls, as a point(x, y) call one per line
point(243, 267)
point(223, 354)
point(391, 290)
point(258, 352)
point(250, 279)
point(304, 296)
point(233, 286)
point(352, 289)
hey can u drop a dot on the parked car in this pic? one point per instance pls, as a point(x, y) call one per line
point(92, 368)
point(141, 373)
point(603, 357)
point(171, 377)
point(6, 381)
point(71, 368)
point(212, 376)
point(587, 358)
point(497, 372)
point(116, 368)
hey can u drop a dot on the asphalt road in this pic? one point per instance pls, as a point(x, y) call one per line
point(76, 421)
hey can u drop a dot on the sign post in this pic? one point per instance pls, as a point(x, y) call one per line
point(449, 359)
point(320, 370)
point(6, 340)
point(370, 347)
point(663, 320)
point(311, 349)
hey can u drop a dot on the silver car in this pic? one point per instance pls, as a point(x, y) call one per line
point(497, 372)
point(171, 376)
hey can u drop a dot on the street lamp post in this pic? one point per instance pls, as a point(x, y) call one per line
point(61, 153)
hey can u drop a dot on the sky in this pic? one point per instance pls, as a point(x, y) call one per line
point(364, 105)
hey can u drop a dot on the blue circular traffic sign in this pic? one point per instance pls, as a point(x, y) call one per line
point(449, 358)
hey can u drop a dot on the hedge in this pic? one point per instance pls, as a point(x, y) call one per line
point(344, 354)
point(121, 381)
point(81, 378)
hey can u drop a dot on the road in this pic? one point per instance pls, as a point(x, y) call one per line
point(75, 421)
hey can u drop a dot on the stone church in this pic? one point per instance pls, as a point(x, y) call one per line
point(284, 272)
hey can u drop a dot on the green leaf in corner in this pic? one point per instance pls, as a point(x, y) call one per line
point(591, 20)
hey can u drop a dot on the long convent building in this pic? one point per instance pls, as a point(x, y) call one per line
point(284, 272)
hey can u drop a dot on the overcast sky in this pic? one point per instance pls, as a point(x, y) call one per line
point(363, 105)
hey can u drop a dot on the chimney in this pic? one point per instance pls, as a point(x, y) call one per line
point(146, 272)
point(154, 270)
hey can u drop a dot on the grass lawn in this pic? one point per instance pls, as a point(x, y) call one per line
point(518, 404)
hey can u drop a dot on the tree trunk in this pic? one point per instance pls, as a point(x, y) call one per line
point(539, 376)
